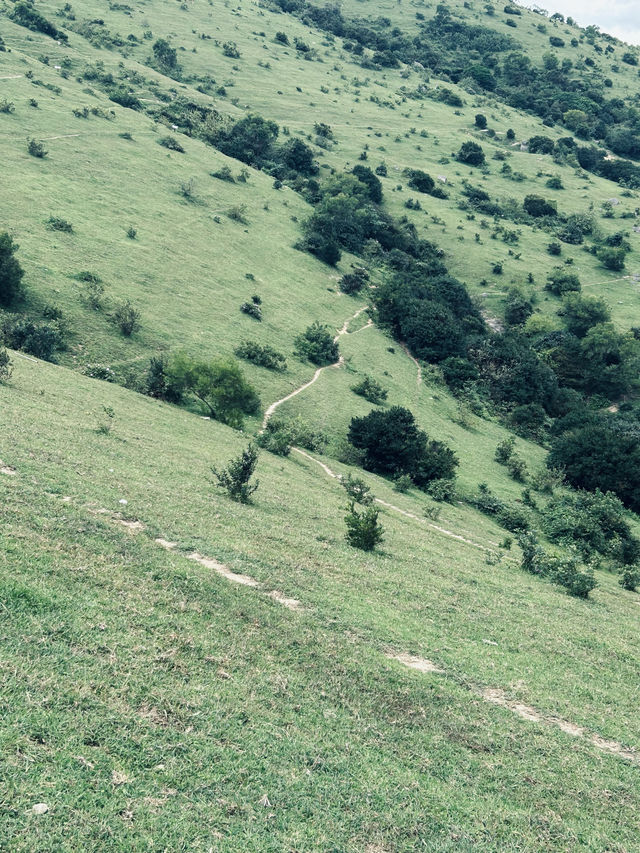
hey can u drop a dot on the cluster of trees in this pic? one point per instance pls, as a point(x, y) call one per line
point(555, 90)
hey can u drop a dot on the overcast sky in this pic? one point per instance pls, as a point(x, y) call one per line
point(620, 18)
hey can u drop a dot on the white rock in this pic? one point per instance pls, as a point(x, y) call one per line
point(123, 501)
point(40, 808)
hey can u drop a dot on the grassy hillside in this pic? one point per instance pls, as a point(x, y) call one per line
point(149, 701)
point(182, 672)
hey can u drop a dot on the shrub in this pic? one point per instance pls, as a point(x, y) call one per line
point(126, 318)
point(566, 572)
point(317, 345)
point(442, 490)
point(132, 233)
point(166, 57)
point(517, 467)
point(25, 15)
point(537, 206)
point(480, 121)
point(560, 282)
point(611, 258)
point(106, 425)
point(299, 432)
point(276, 440)
point(402, 483)
point(219, 385)
point(11, 272)
point(235, 479)
point(370, 390)
point(593, 523)
point(36, 149)
point(372, 183)
point(171, 143)
point(554, 248)
point(363, 529)
point(471, 154)
point(504, 450)
point(629, 578)
point(262, 355)
point(6, 366)
point(224, 174)
point(357, 490)
point(252, 310)
point(57, 224)
point(36, 338)
point(353, 282)
point(158, 383)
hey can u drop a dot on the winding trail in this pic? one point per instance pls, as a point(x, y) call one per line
point(416, 362)
point(343, 331)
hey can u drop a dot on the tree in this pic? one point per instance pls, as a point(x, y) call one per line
point(372, 183)
point(296, 155)
point(10, 271)
point(560, 282)
point(235, 478)
point(471, 153)
point(317, 345)
point(611, 258)
point(537, 206)
point(250, 139)
point(580, 313)
point(220, 386)
point(165, 56)
point(596, 457)
point(392, 445)
point(480, 121)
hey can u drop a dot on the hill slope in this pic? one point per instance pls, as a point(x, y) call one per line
point(186, 672)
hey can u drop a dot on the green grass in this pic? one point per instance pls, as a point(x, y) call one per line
point(149, 702)
point(121, 657)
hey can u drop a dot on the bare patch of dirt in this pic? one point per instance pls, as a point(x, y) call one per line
point(291, 603)
point(209, 563)
point(498, 697)
point(7, 469)
point(168, 546)
point(413, 662)
point(133, 526)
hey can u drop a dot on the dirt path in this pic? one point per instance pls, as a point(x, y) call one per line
point(343, 331)
point(234, 577)
point(495, 696)
point(416, 362)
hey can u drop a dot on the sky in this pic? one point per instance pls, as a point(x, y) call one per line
point(619, 18)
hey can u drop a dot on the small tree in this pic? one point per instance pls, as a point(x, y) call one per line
point(6, 366)
point(471, 153)
point(10, 270)
point(220, 385)
point(363, 529)
point(317, 345)
point(370, 390)
point(235, 478)
point(357, 490)
point(480, 121)
point(36, 149)
point(126, 317)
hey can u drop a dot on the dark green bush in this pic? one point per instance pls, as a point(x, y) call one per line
point(317, 345)
point(11, 272)
point(370, 390)
point(6, 366)
point(392, 445)
point(471, 154)
point(171, 143)
point(262, 355)
point(36, 149)
point(41, 339)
